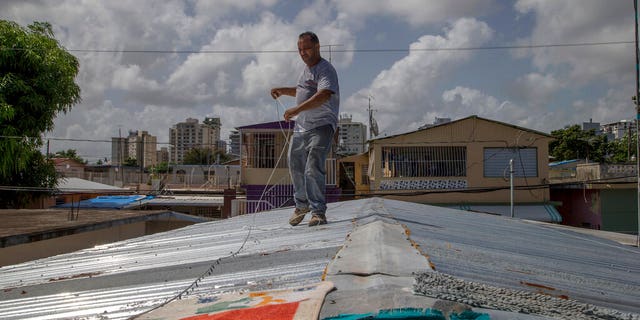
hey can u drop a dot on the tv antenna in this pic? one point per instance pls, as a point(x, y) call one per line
point(331, 45)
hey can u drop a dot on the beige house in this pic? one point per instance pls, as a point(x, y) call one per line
point(463, 163)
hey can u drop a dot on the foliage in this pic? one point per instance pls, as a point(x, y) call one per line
point(622, 150)
point(38, 177)
point(205, 156)
point(162, 167)
point(70, 154)
point(572, 142)
point(37, 81)
point(131, 162)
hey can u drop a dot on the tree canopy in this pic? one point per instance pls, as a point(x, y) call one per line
point(37, 81)
point(572, 142)
point(205, 156)
point(71, 154)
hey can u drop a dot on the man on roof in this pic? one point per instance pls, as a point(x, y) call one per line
point(316, 116)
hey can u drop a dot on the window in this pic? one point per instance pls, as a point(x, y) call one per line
point(496, 162)
point(263, 149)
point(424, 161)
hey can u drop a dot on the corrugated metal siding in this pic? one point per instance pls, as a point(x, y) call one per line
point(122, 279)
point(496, 162)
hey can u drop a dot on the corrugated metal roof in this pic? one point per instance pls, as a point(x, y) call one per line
point(518, 254)
point(536, 212)
point(122, 279)
point(186, 200)
point(71, 184)
point(261, 251)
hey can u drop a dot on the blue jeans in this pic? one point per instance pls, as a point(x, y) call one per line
point(307, 165)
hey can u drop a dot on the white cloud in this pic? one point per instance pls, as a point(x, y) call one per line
point(130, 78)
point(462, 102)
point(581, 21)
point(537, 88)
point(415, 12)
point(407, 88)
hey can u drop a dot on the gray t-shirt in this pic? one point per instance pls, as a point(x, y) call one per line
point(311, 80)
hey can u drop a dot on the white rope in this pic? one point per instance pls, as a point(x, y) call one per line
point(189, 289)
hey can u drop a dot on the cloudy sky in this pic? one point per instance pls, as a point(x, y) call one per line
point(149, 64)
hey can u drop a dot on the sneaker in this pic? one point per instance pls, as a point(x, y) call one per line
point(318, 219)
point(298, 216)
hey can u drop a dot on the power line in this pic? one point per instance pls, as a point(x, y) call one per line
point(381, 50)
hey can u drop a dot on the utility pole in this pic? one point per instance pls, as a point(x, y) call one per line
point(331, 45)
point(373, 125)
point(511, 185)
point(637, 97)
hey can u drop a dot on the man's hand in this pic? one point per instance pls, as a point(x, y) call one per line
point(286, 91)
point(275, 93)
point(290, 113)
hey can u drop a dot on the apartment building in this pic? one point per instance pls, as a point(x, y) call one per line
point(138, 145)
point(352, 137)
point(617, 130)
point(191, 134)
point(234, 137)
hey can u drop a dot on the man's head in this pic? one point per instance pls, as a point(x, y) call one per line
point(309, 48)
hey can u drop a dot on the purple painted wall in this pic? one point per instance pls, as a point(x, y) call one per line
point(280, 196)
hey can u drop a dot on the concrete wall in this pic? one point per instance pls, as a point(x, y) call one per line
point(580, 207)
point(610, 208)
point(620, 210)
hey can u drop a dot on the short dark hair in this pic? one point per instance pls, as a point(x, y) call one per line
point(312, 36)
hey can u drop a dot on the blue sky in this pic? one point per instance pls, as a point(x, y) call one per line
point(542, 88)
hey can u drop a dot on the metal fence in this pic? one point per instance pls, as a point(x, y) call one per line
point(442, 161)
point(188, 177)
point(244, 206)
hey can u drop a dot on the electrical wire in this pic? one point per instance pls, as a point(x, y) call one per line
point(380, 50)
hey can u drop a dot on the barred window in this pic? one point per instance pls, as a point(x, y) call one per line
point(261, 150)
point(424, 161)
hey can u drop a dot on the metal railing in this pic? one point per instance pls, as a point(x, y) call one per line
point(244, 206)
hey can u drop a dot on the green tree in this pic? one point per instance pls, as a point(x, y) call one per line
point(37, 82)
point(162, 167)
point(205, 156)
point(71, 154)
point(621, 150)
point(572, 142)
point(131, 162)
